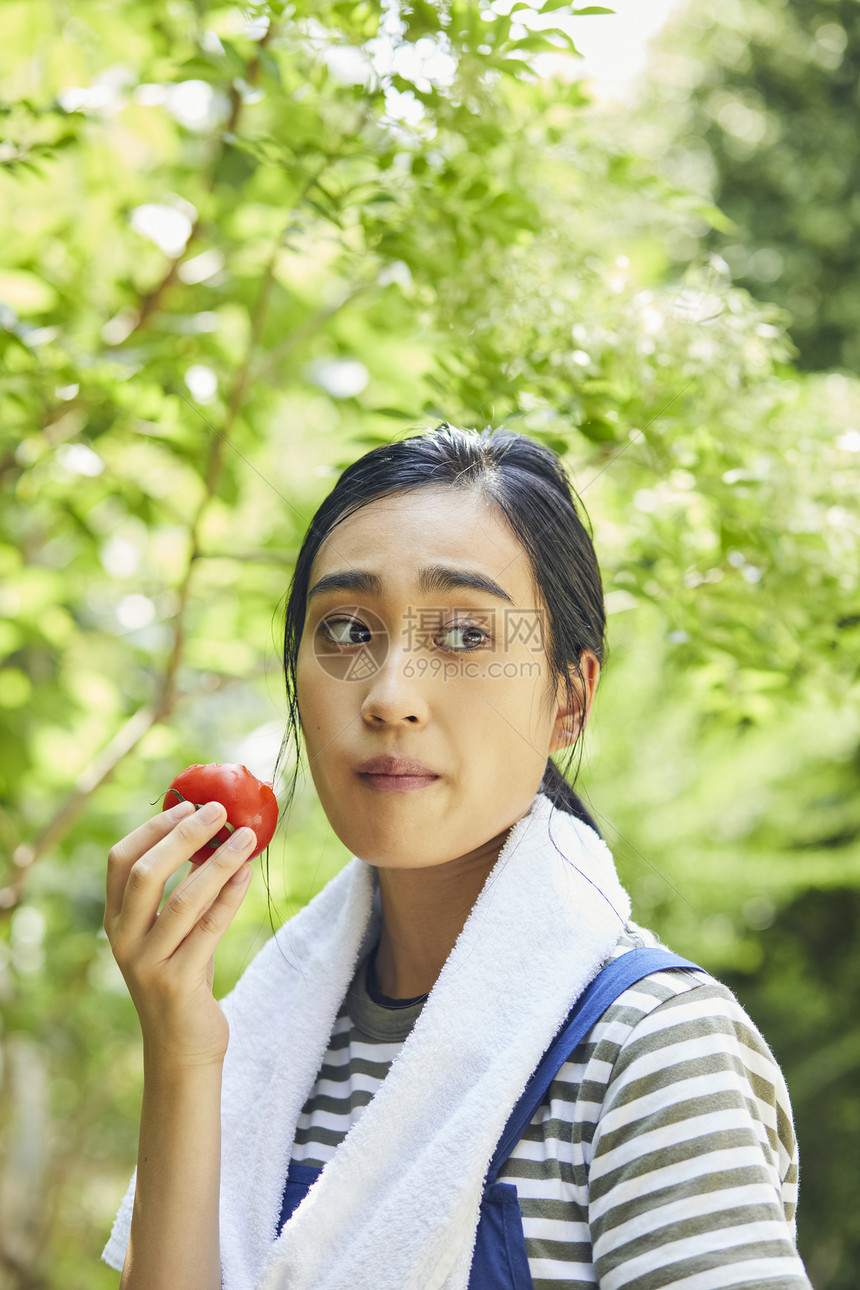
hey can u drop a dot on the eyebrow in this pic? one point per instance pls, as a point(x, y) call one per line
point(434, 578)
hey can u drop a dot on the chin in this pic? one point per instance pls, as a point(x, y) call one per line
point(387, 845)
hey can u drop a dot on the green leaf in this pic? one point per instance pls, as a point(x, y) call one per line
point(716, 218)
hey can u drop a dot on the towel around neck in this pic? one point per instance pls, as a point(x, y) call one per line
point(397, 1206)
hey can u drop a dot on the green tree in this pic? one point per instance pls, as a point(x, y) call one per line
point(763, 99)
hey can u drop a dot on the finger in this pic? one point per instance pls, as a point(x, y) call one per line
point(198, 948)
point(132, 847)
point(193, 898)
point(147, 876)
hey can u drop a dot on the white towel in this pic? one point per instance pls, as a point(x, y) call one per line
point(397, 1206)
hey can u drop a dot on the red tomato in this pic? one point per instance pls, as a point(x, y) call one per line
point(248, 801)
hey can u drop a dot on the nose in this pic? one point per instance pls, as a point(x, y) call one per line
point(393, 696)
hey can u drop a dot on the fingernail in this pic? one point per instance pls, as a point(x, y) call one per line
point(209, 813)
point(181, 809)
point(240, 839)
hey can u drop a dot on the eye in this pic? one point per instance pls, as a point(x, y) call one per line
point(340, 631)
point(476, 636)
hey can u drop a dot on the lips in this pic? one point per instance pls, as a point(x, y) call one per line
point(396, 767)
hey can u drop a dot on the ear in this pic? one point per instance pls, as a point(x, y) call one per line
point(570, 722)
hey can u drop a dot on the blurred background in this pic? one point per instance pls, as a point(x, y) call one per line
point(243, 244)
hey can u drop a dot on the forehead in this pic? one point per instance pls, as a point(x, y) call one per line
point(396, 536)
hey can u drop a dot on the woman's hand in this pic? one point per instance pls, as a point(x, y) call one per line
point(167, 957)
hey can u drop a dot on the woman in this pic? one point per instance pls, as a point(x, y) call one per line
point(427, 1083)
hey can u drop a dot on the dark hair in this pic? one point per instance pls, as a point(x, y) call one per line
point(528, 484)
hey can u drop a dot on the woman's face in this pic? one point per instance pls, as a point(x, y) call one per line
point(398, 660)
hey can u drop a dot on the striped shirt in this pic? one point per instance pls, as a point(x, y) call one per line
point(662, 1155)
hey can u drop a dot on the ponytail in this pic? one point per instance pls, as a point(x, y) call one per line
point(560, 793)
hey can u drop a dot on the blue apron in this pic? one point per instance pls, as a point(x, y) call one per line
point(500, 1261)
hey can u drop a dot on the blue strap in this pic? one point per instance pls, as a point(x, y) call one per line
point(612, 981)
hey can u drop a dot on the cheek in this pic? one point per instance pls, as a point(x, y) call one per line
point(308, 695)
point(325, 707)
point(529, 716)
point(494, 715)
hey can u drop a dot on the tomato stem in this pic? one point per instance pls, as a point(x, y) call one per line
point(213, 843)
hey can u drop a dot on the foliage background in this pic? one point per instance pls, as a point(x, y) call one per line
point(243, 245)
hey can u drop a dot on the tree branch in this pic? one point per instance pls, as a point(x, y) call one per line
point(99, 770)
point(310, 326)
point(129, 736)
point(282, 559)
point(24, 1278)
point(150, 303)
